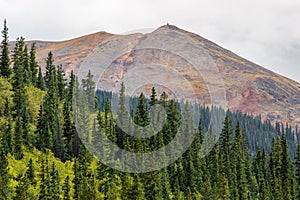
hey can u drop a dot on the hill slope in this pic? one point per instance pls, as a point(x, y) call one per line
point(249, 87)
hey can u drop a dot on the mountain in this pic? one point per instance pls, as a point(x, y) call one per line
point(249, 87)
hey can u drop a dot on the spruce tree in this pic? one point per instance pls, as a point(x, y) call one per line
point(50, 70)
point(66, 189)
point(88, 86)
point(30, 173)
point(54, 189)
point(61, 84)
point(33, 65)
point(153, 99)
point(5, 190)
point(22, 189)
point(26, 65)
point(40, 80)
point(5, 70)
point(287, 171)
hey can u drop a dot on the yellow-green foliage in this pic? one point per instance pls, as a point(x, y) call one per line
point(17, 167)
point(35, 99)
point(5, 94)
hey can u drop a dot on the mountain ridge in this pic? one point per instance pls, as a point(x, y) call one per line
point(250, 88)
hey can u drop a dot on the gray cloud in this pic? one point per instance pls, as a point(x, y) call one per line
point(265, 32)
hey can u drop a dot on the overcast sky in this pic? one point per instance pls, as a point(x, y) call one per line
point(266, 32)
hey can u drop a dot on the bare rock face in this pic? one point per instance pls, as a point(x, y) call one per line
point(156, 56)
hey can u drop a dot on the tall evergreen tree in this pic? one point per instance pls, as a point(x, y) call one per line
point(88, 86)
point(142, 113)
point(33, 65)
point(153, 99)
point(26, 65)
point(287, 171)
point(5, 190)
point(54, 189)
point(66, 189)
point(40, 80)
point(50, 76)
point(5, 70)
point(61, 84)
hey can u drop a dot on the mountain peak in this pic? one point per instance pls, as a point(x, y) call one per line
point(169, 26)
point(249, 88)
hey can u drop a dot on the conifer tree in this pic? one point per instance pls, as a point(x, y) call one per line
point(225, 142)
point(69, 131)
point(54, 189)
point(5, 70)
point(40, 80)
point(88, 86)
point(22, 189)
point(44, 179)
point(30, 173)
point(66, 189)
point(142, 113)
point(5, 190)
point(43, 133)
point(50, 76)
point(153, 99)
point(61, 84)
point(33, 65)
point(21, 113)
point(26, 65)
point(287, 171)
point(7, 138)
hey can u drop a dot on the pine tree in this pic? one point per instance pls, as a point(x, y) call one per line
point(40, 80)
point(5, 70)
point(88, 86)
point(18, 139)
point(7, 137)
point(61, 84)
point(66, 189)
point(22, 189)
point(240, 156)
point(44, 179)
point(54, 189)
point(225, 142)
point(50, 76)
point(30, 173)
point(26, 65)
point(59, 142)
point(113, 187)
point(259, 170)
point(153, 99)
point(21, 114)
point(33, 65)
point(163, 99)
point(69, 131)
point(71, 88)
point(49, 113)
point(43, 133)
point(222, 190)
point(287, 171)
point(5, 190)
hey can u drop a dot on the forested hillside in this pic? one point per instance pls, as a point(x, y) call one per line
point(43, 156)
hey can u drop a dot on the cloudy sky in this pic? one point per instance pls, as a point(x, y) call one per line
point(265, 32)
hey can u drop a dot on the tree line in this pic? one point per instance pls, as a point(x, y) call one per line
point(42, 155)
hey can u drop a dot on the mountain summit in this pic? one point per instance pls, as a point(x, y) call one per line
point(249, 87)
